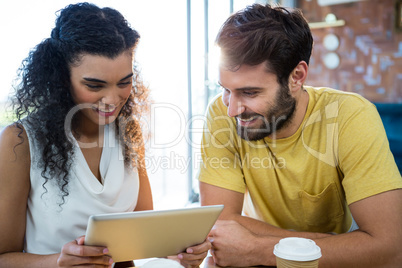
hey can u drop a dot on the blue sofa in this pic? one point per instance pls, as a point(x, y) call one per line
point(391, 115)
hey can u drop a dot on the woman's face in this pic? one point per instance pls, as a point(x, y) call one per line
point(101, 86)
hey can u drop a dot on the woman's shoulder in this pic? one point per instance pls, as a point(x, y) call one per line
point(14, 139)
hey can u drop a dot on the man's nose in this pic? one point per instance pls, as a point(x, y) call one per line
point(235, 107)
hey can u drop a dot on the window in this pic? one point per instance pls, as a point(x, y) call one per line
point(180, 71)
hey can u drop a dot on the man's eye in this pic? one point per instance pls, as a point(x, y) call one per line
point(249, 93)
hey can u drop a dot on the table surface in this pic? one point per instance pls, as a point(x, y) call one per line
point(207, 263)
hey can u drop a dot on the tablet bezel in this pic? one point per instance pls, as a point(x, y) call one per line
point(147, 234)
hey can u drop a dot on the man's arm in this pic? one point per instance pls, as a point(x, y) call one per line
point(377, 243)
point(233, 201)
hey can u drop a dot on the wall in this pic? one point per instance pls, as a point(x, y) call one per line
point(370, 49)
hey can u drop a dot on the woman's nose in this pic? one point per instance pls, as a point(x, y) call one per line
point(110, 99)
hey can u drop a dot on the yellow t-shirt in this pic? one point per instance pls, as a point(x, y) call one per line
point(339, 155)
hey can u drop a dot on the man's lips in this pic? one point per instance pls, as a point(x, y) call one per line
point(247, 121)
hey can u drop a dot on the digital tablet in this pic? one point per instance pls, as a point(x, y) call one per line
point(148, 234)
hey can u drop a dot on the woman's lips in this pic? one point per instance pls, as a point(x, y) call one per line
point(105, 112)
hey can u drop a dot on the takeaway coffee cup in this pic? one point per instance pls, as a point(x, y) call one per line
point(295, 252)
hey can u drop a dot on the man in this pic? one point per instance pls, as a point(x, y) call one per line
point(291, 160)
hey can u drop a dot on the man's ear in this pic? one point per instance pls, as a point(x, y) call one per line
point(298, 76)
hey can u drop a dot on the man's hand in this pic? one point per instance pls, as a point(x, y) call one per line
point(193, 256)
point(234, 245)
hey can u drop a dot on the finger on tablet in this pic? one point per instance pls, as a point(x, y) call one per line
point(204, 247)
point(80, 240)
point(191, 257)
point(73, 248)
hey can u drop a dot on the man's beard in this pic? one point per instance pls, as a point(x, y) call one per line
point(275, 119)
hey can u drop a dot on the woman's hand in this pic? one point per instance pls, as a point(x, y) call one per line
point(194, 255)
point(75, 253)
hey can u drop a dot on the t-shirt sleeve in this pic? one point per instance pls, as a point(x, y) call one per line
point(220, 164)
point(365, 158)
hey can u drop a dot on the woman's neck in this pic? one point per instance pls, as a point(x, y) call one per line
point(87, 131)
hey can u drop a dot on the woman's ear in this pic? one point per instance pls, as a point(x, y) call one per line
point(298, 76)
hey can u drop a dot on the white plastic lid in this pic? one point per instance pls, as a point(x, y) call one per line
point(297, 249)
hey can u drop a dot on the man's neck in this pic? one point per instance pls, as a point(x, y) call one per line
point(300, 112)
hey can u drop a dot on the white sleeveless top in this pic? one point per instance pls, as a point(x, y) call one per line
point(50, 226)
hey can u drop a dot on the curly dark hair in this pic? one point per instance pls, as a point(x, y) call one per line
point(260, 33)
point(43, 94)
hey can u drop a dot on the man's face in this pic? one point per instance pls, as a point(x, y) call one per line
point(254, 97)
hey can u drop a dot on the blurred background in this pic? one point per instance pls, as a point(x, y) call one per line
point(357, 48)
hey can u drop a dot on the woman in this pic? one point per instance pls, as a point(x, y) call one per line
point(76, 148)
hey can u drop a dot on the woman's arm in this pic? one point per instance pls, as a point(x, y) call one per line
point(144, 201)
point(14, 191)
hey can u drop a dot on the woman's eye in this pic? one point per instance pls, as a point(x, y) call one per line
point(93, 86)
point(125, 83)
